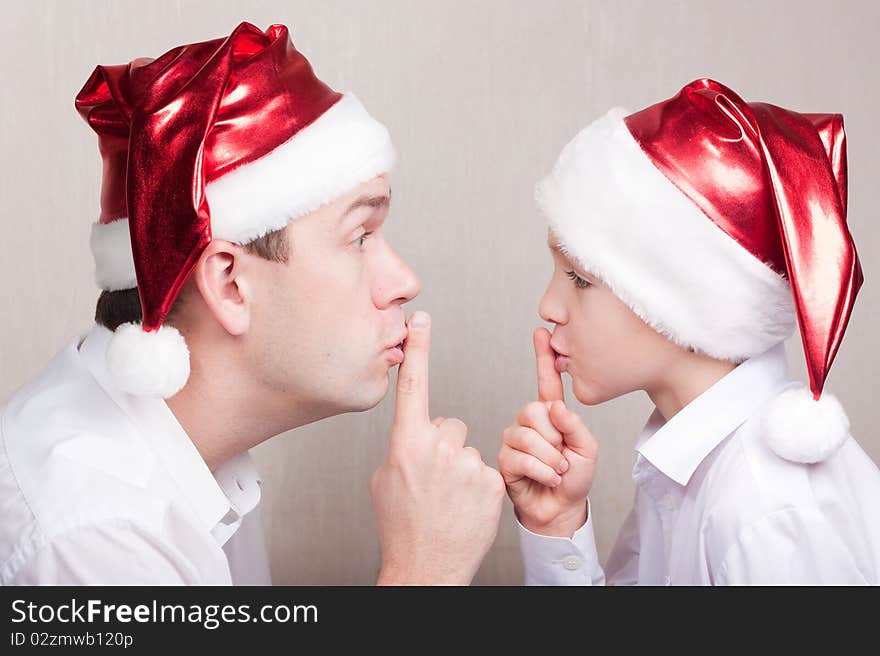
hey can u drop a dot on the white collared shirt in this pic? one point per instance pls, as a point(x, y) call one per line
point(714, 505)
point(100, 487)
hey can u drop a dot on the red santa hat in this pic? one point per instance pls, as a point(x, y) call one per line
point(229, 139)
point(722, 224)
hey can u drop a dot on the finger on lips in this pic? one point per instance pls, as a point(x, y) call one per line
point(549, 380)
point(412, 376)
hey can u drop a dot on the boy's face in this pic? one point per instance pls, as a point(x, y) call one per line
point(324, 323)
point(604, 346)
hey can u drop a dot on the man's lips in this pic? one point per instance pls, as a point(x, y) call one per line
point(395, 349)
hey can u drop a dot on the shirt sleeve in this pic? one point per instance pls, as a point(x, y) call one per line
point(794, 546)
point(117, 552)
point(553, 560)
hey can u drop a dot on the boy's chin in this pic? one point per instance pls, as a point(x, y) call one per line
point(588, 394)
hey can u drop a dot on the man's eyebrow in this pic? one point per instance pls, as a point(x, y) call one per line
point(375, 201)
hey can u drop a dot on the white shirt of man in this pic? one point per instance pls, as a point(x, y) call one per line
point(715, 506)
point(100, 487)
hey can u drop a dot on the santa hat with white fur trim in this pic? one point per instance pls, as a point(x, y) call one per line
point(228, 139)
point(722, 224)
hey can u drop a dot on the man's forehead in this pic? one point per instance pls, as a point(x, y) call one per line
point(374, 192)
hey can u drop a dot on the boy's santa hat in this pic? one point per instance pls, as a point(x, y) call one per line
point(721, 224)
point(230, 139)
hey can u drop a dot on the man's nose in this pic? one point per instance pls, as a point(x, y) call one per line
point(400, 284)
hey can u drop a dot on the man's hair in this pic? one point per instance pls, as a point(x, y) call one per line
point(124, 306)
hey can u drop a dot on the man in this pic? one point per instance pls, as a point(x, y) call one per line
point(248, 289)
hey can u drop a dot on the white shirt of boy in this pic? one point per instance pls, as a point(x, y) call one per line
point(714, 505)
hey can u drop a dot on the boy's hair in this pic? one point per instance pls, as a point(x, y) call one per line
point(124, 306)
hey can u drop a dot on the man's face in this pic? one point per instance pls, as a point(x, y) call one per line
point(608, 350)
point(324, 324)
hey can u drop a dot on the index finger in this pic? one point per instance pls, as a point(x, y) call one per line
point(549, 380)
point(412, 375)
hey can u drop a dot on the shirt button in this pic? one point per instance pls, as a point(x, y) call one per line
point(669, 502)
point(571, 563)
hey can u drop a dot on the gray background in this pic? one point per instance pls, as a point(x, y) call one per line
point(480, 97)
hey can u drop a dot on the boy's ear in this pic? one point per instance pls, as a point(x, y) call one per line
point(223, 286)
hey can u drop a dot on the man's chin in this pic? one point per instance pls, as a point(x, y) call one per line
point(369, 394)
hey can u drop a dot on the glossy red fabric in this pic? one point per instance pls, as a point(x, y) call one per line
point(168, 126)
point(776, 182)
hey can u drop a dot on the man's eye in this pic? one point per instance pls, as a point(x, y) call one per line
point(359, 242)
point(579, 282)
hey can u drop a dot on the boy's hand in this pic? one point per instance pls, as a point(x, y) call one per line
point(548, 456)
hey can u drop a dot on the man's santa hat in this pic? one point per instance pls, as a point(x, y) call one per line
point(228, 139)
point(721, 224)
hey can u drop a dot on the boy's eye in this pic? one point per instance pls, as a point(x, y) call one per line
point(579, 282)
point(359, 242)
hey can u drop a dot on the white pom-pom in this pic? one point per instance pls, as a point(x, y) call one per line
point(801, 429)
point(152, 363)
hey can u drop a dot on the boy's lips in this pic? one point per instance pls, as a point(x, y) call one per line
point(557, 350)
point(561, 361)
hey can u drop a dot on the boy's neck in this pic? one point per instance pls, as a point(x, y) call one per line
point(685, 381)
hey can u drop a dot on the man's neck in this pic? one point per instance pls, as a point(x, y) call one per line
point(225, 416)
point(685, 381)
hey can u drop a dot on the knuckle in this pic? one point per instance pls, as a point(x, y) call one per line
point(504, 461)
point(456, 425)
point(408, 384)
point(445, 449)
point(494, 482)
point(535, 470)
point(454, 430)
point(531, 412)
point(472, 456)
point(518, 438)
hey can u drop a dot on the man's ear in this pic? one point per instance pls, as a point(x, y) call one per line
point(218, 275)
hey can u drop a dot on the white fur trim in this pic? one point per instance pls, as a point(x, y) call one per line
point(801, 429)
point(622, 220)
point(342, 149)
point(152, 363)
point(111, 248)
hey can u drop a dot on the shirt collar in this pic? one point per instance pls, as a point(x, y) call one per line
point(677, 447)
point(218, 500)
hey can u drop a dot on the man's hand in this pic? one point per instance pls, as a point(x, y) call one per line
point(437, 504)
point(548, 456)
